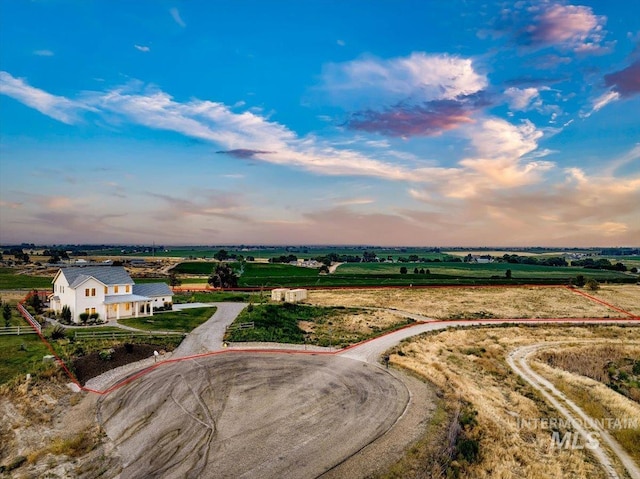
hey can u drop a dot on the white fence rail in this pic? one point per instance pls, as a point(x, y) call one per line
point(30, 319)
point(17, 330)
point(122, 334)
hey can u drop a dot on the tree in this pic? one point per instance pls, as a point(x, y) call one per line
point(35, 302)
point(422, 271)
point(323, 269)
point(507, 274)
point(174, 280)
point(580, 281)
point(223, 277)
point(416, 271)
point(403, 270)
point(592, 285)
point(6, 314)
point(65, 314)
point(221, 255)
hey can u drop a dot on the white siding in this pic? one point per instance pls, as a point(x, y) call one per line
point(83, 301)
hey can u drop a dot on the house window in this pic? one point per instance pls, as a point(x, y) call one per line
point(115, 289)
point(127, 306)
point(86, 292)
point(106, 289)
point(127, 288)
point(93, 291)
point(93, 310)
point(86, 310)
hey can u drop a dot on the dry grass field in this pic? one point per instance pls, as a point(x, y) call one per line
point(469, 366)
point(594, 397)
point(472, 303)
point(625, 296)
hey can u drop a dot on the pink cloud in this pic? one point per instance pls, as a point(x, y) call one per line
point(626, 81)
point(430, 119)
point(569, 27)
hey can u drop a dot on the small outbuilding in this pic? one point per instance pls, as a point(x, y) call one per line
point(295, 295)
point(278, 294)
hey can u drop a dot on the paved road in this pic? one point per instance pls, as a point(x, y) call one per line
point(250, 415)
point(208, 336)
point(582, 423)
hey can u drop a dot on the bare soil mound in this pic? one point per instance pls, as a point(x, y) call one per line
point(94, 364)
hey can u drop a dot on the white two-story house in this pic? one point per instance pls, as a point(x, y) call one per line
point(108, 291)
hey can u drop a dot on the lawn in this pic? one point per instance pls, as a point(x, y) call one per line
point(221, 296)
point(10, 280)
point(20, 355)
point(183, 321)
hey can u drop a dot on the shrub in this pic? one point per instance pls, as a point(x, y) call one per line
point(592, 285)
point(65, 314)
point(106, 354)
point(58, 332)
point(84, 317)
point(94, 315)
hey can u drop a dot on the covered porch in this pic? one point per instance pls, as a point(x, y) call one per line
point(128, 306)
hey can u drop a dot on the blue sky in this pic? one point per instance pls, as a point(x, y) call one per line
point(328, 122)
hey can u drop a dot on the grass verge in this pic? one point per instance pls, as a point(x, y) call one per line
point(182, 321)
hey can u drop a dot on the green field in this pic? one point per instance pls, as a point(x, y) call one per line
point(258, 275)
point(221, 296)
point(182, 321)
point(472, 270)
point(10, 280)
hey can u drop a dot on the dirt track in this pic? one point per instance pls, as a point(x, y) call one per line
point(250, 415)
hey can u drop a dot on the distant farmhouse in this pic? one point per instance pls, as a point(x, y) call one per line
point(108, 291)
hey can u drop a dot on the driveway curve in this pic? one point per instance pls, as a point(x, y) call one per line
point(208, 336)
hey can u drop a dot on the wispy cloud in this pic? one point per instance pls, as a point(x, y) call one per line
point(521, 99)
point(57, 107)
point(175, 14)
point(142, 48)
point(43, 53)
point(415, 79)
point(244, 153)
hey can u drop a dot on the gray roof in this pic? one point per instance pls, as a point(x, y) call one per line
point(108, 275)
point(152, 289)
point(124, 298)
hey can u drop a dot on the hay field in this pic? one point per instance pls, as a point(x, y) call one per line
point(472, 303)
point(469, 365)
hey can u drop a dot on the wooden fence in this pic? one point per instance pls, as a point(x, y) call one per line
point(124, 334)
point(17, 330)
point(30, 319)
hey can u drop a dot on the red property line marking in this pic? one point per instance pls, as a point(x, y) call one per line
point(148, 369)
point(597, 300)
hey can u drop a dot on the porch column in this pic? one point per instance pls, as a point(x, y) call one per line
point(136, 305)
point(150, 304)
point(117, 311)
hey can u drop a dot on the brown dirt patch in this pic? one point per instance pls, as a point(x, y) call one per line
point(91, 365)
